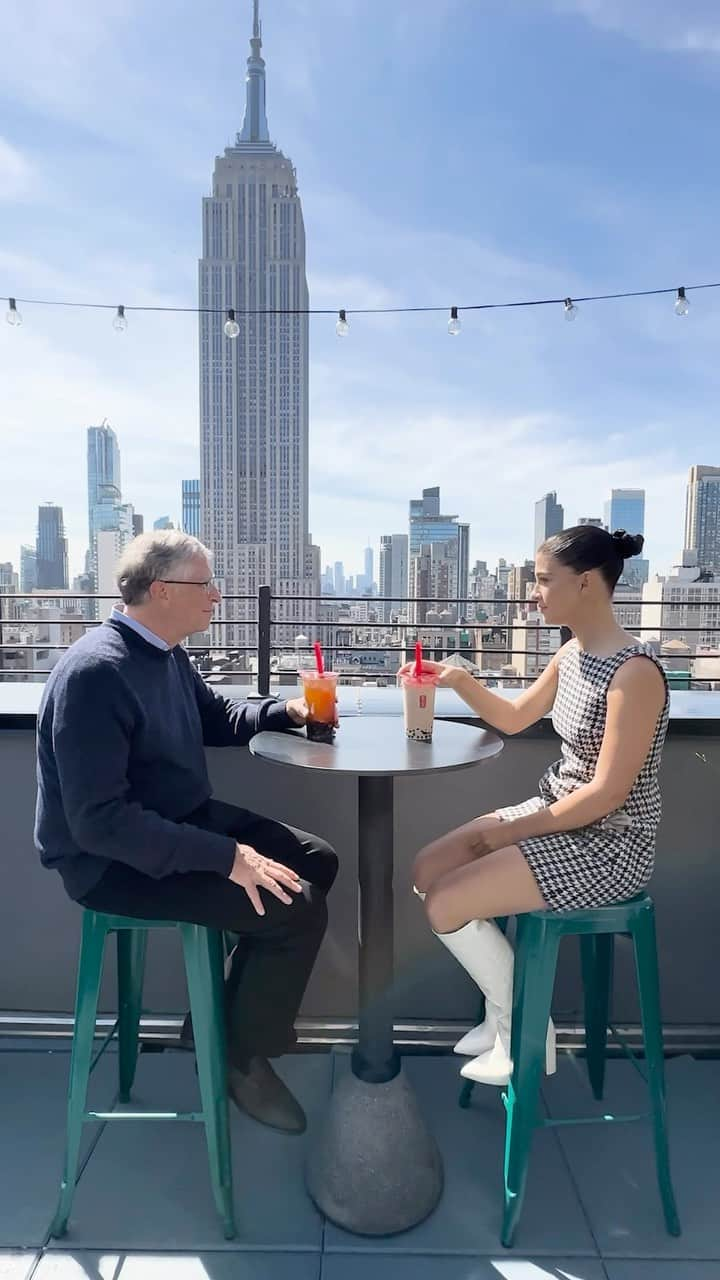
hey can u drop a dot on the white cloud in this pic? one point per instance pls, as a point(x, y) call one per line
point(18, 180)
point(491, 469)
point(334, 290)
point(59, 56)
point(65, 370)
point(691, 26)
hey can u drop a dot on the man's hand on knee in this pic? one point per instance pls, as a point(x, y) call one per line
point(252, 872)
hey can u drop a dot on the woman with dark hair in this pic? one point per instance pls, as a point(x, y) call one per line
point(588, 837)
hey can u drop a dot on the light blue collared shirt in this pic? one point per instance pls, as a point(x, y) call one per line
point(118, 616)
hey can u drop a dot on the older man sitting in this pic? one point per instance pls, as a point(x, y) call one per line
point(125, 811)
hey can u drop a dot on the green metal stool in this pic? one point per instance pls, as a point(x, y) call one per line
point(536, 950)
point(203, 952)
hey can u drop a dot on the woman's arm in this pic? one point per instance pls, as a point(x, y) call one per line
point(509, 717)
point(635, 699)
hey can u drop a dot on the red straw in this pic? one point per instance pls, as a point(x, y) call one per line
point(418, 659)
point(319, 658)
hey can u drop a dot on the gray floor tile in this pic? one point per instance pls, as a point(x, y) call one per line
point(500, 1267)
point(614, 1167)
point(147, 1185)
point(32, 1123)
point(677, 1269)
point(16, 1266)
point(467, 1220)
point(84, 1265)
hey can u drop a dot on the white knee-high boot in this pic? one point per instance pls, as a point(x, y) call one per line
point(482, 1037)
point(485, 953)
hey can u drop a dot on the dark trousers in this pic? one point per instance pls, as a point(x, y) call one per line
point(275, 953)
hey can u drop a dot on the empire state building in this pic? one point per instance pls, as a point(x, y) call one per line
point(254, 387)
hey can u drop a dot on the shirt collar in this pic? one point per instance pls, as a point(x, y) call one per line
point(118, 616)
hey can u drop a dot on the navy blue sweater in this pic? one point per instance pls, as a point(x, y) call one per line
point(122, 728)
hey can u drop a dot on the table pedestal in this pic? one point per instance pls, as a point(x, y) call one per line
point(374, 1168)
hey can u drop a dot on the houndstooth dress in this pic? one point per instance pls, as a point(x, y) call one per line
point(609, 860)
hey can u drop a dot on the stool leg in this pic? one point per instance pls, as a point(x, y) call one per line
point(646, 963)
point(131, 948)
point(596, 954)
point(535, 963)
point(90, 965)
point(204, 967)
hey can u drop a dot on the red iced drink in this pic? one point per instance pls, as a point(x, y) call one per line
point(319, 690)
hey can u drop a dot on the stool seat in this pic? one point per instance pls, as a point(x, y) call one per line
point(536, 950)
point(204, 957)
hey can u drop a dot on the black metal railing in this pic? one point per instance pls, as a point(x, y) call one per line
point(265, 625)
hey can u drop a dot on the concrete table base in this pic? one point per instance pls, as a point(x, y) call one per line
point(374, 1168)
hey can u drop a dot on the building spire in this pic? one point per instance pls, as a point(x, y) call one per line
point(255, 126)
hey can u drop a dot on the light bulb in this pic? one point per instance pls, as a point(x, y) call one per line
point(570, 309)
point(454, 323)
point(682, 306)
point(120, 323)
point(13, 316)
point(231, 326)
point(342, 328)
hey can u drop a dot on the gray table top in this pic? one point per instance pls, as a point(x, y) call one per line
point(377, 747)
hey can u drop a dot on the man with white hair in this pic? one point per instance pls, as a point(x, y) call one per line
point(125, 811)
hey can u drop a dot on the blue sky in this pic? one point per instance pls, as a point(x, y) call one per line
point(448, 151)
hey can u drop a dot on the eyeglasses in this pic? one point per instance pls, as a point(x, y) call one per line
point(189, 582)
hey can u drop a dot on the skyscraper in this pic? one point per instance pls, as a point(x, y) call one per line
point(393, 573)
point(433, 577)
point(28, 568)
point(549, 518)
point(191, 507)
point(625, 509)
point(702, 516)
point(106, 511)
point(9, 579)
point(254, 386)
point(52, 557)
point(463, 572)
point(429, 526)
point(521, 576)
point(103, 483)
point(369, 574)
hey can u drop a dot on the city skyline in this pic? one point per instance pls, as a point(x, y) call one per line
point(519, 403)
point(355, 561)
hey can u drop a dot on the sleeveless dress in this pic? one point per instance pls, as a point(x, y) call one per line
point(611, 859)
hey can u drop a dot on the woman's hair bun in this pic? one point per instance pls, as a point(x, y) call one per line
point(628, 544)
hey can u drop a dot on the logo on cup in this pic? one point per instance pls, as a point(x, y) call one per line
point(423, 700)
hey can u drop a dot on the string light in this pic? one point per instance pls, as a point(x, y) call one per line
point(120, 323)
point(13, 316)
point(231, 326)
point(342, 328)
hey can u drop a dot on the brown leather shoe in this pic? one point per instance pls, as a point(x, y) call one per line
point(263, 1095)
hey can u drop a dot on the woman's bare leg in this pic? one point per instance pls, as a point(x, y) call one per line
point(499, 884)
point(456, 849)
